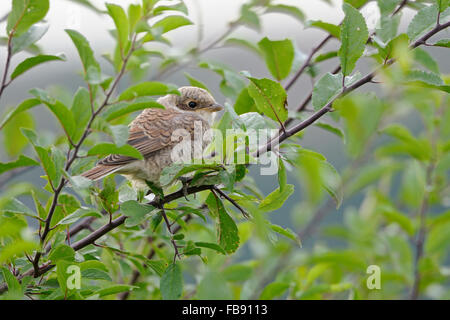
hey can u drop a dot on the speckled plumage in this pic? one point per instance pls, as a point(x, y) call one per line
point(152, 134)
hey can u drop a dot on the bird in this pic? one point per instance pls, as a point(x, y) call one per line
point(155, 133)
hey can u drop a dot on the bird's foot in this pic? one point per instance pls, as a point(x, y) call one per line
point(185, 182)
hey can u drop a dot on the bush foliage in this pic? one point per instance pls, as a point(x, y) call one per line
point(396, 176)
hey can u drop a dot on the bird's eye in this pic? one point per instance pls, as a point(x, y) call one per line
point(192, 104)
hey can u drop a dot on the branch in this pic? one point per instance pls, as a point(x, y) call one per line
point(328, 107)
point(71, 159)
point(307, 100)
point(136, 274)
point(421, 236)
point(307, 62)
point(234, 203)
point(90, 239)
point(4, 83)
point(420, 241)
point(178, 66)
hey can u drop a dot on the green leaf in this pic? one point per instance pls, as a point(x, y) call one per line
point(361, 114)
point(95, 274)
point(237, 272)
point(227, 230)
point(243, 43)
point(171, 284)
point(194, 82)
point(171, 23)
point(394, 216)
point(104, 149)
point(89, 5)
point(207, 289)
point(122, 25)
point(134, 16)
point(249, 17)
point(15, 249)
point(387, 6)
point(279, 56)
point(231, 84)
point(135, 212)
point(113, 289)
point(174, 7)
point(326, 89)
point(425, 59)
point(176, 170)
point(15, 206)
point(24, 14)
point(357, 3)
point(150, 88)
point(44, 155)
point(78, 214)
point(330, 28)
point(354, 35)
point(158, 266)
point(209, 245)
point(422, 22)
point(23, 161)
point(27, 40)
point(273, 290)
point(270, 98)
point(288, 233)
point(388, 27)
point(14, 287)
point(286, 9)
point(445, 43)
point(119, 134)
point(92, 73)
point(325, 56)
point(61, 112)
point(282, 178)
point(442, 4)
point(438, 239)
point(62, 252)
point(276, 199)
point(425, 77)
point(331, 182)
point(244, 103)
point(330, 128)
point(32, 62)
point(81, 110)
point(14, 141)
point(118, 110)
point(368, 174)
point(420, 149)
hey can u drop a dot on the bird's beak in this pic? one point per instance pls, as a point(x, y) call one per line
point(215, 107)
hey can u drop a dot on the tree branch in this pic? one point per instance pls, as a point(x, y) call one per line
point(71, 159)
point(420, 241)
point(90, 239)
point(4, 83)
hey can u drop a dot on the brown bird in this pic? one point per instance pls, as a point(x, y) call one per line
point(155, 133)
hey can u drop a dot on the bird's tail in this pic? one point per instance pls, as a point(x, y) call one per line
point(100, 171)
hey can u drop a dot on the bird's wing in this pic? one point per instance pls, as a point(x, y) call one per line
point(152, 131)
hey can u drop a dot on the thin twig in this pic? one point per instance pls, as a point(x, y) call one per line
point(4, 82)
point(70, 160)
point(233, 202)
point(176, 195)
point(421, 236)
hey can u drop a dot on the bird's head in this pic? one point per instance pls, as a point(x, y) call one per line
point(193, 99)
point(197, 100)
